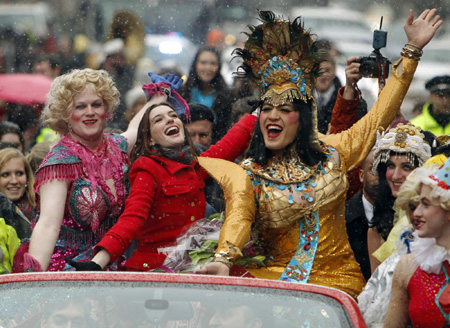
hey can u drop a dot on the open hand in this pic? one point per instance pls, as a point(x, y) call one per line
point(214, 268)
point(421, 30)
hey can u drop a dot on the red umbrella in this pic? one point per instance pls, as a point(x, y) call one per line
point(27, 89)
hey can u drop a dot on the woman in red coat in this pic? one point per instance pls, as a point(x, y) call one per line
point(166, 194)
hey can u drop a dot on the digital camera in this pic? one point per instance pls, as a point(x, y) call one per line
point(375, 65)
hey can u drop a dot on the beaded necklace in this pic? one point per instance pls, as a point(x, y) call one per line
point(287, 172)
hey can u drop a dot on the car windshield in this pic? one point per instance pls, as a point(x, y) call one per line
point(144, 304)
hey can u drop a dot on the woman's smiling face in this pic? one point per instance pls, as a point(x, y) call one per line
point(432, 219)
point(166, 127)
point(207, 66)
point(279, 126)
point(13, 179)
point(398, 169)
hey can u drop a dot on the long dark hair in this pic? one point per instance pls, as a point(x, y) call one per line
point(383, 207)
point(307, 153)
point(218, 83)
point(143, 145)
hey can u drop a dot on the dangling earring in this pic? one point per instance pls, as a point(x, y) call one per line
point(152, 143)
point(109, 116)
point(70, 127)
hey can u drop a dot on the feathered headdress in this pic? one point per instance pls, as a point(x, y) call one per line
point(280, 58)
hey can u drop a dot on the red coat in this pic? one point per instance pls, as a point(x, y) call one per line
point(345, 114)
point(165, 198)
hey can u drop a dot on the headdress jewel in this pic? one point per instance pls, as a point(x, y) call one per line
point(280, 59)
point(403, 139)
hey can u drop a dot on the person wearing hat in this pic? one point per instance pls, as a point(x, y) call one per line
point(435, 115)
point(420, 282)
point(299, 175)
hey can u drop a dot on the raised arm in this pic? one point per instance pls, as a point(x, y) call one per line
point(131, 133)
point(345, 111)
point(154, 95)
point(45, 234)
point(421, 30)
point(354, 144)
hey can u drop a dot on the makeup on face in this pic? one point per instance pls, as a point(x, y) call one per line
point(88, 118)
point(166, 127)
point(398, 169)
point(279, 126)
point(431, 220)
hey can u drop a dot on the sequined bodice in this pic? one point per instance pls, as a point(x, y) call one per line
point(86, 208)
point(424, 290)
point(293, 190)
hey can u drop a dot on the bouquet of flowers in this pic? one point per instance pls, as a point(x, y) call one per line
point(197, 246)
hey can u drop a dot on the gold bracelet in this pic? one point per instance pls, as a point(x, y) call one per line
point(411, 53)
point(415, 47)
point(413, 50)
point(225, 258)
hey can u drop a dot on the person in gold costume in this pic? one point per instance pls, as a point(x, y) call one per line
point(299, 176)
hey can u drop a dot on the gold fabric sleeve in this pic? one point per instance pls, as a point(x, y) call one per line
point(239, 200)
point(355, 143)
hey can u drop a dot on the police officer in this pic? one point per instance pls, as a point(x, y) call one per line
point(435, 115)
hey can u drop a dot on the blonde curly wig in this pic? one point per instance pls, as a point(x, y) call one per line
point(410, 190)
point(60, 99)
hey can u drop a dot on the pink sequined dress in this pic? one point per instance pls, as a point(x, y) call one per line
point(91, 208)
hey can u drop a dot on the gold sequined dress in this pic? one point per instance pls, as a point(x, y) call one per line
point(288, 193)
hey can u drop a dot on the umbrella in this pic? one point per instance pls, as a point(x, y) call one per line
point(27, 89)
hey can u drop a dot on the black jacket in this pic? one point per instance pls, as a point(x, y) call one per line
point(357, 226)
point(324, 113)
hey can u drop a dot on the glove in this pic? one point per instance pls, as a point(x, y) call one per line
point(84, 266)
point(168, 84)
point(156, 78)
point(174, 80)
point(158, 85)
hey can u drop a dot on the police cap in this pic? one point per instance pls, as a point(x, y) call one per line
point(439, 85)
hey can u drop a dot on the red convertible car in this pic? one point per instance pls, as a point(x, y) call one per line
point(129, 299)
